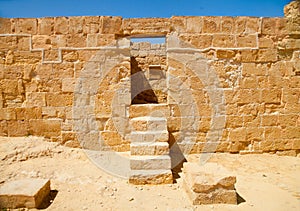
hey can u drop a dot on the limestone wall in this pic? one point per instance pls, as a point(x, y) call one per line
point(239, 77)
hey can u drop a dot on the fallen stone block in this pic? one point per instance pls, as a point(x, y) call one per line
point(209, 184)
point(29, 193)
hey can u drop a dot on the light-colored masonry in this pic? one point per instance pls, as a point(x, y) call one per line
point(231, 84)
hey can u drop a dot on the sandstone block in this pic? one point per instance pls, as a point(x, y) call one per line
point(271, 96)
point(110, 25)
point(148, 123)
point(149, 136)
point(246, 25)
point(223, 41)
point(149, 26)
point(76, 24)
point(58, 99)
point(194, 24)
point(5, 26)
point(45, 127)
point(17, 128)
point(68, 84)
point(227, 25)
point(45, 26)
point(7, 114)
point(209, 184)
point(150, 162)
point(160, 148)
point(215, 197)
point(211, 24)
point(92, 24)
point(29, 193)
point(61, 25)
point(35, 99)
point(25, 25)
point(28, 113)
point(112, 138)
point(151, 177)
point(149, 110)
point(244, 41)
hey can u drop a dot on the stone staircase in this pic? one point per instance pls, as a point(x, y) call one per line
point(150, 161)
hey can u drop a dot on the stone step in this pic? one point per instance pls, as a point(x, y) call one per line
point(148, 123)
point(162, 162)
point(151, 177)
point(149, 136)
point(155, 110)
point(152, 148)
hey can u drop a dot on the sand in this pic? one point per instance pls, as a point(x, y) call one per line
point(264, 181)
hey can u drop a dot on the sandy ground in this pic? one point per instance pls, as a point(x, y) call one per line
point(265, 182)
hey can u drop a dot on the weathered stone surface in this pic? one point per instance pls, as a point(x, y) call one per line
point(151, 177)
point(254, 61)
point(209, 184)
point(150, 162)
point(161, 148)
point(28, 193)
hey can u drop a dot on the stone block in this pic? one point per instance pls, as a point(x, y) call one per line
point(149, 110)
point(149, 26)
point(76, 40)
point(194, 24)
point(28, 113)
point(223, 41)
point(5, 26)
point(227, 25)
point(272, 26)
point(150, 162)
point(17, 128)
point(46, 26)
point(76, 24)
point(246, 41)
point(225, 54)
point(271, 96)
point(28, 193)
point(112, 138)
point(25, 25)
point(7, 114)
point(211, 24)
point(110, 25)
point(178, 23)
point(246, 25)
point(35, 99)
point(149, 136)
point(214, 197)
point(68, 84)
point(92, 24)
point(158, 148)
point(267, 55)
point(209, 184)
point(45, 127)
point(148, 123)
point(61, 25)
point(58, 99)
point(151, 177)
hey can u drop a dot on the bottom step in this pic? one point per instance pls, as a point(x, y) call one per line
point(151, 177)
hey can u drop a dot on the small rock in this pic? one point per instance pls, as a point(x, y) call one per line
point(140, 188)
point(131, 199)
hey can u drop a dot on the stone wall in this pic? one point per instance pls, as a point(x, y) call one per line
point(233, 82)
